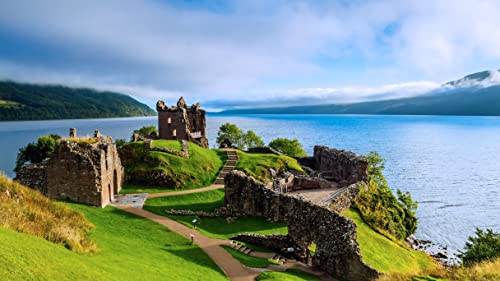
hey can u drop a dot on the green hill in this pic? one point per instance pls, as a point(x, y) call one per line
point(20, 101)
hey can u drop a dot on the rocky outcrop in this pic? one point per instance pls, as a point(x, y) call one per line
point(337, 250)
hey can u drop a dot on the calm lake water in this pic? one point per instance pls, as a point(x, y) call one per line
point(451, 165)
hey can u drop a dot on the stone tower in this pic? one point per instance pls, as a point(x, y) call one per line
point(182, 122)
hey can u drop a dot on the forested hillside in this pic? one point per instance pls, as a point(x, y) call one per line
point(19, 101)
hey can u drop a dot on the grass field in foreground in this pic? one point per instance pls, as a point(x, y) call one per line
point(201, 201)
point(130, 248)
point(385, 255)
point(289, 275)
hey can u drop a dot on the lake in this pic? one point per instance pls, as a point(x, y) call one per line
point(451, 165)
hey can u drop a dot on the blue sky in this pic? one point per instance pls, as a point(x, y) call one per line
point(249, 53)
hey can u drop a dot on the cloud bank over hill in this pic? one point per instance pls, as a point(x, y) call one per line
point(221, 52)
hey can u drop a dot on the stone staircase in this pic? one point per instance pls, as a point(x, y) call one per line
point(245, 250)
point(228, 167)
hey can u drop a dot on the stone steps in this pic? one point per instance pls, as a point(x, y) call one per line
point(228, 167)
point(243, 249)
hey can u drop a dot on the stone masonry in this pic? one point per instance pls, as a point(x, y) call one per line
point(337, 250)
point(182, 122)
point(84, 170)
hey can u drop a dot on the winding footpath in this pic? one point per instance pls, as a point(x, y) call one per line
point(233, 269)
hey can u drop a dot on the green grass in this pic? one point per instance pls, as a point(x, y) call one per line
point(220, 228)
point(199, 170)
point(384, 254)
point(212, 227)
point(174, 145)
point(130, 248)
point(289, 275)
point(201, 201)
point(257, 165)
point(248, 260)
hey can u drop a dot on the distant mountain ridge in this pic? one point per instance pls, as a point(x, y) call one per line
point(477, 94)
point(22, 101)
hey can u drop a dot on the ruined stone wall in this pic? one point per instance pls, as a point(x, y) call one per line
point(342, 199)
point(86, 173)
point(343, 167)
point(275, 242)
point(34, 176)
point(337, 250)
point(263, 149)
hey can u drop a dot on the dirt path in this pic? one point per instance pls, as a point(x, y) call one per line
point(231, 267)
point(173, 193)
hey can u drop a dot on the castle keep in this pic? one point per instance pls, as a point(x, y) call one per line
point(182, 122)
point(85, 170)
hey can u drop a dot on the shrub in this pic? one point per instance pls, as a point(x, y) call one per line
point(238, 137)
point(120, 142)
point(146, 131)
point(36, 152)
point(288, 147)
point(379, 207)
point(485, 245)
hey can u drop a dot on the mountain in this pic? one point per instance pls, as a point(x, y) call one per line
point(477, 94)
point(20, 101)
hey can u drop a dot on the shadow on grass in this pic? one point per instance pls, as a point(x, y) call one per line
point(193, 254)
point(207, 207)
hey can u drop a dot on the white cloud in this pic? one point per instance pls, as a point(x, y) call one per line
point(157, 50)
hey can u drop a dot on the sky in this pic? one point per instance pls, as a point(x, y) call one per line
point(235, 54)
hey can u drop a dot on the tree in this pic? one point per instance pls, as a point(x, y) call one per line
point(120, 142)
point(36, 152)
point(288, 147)
point(231, 132)
point(485, 245)
point(251, 139)
point(146, 131)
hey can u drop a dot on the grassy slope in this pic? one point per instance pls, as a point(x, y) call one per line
point(199, 170)
point(212, 227)
point(289, 275)
point(131, 248)
point(257, 165)
point(248, 260)
point(25, 210)
point(385, 255)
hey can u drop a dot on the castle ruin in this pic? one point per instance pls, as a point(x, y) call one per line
point(182, 122)
point(84, 170)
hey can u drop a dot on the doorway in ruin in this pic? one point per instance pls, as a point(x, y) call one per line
point(110, 193)
point(115, 182)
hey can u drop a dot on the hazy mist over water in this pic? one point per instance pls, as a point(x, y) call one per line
point(449, 164)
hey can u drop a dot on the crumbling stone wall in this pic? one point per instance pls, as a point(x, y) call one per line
point(342, 199)
point(87, 171)
point(34, 176)
point(341, 166)
point(337, 250)
point(182, 122)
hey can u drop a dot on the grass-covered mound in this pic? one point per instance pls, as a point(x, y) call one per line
point(200, 169)
point(131, 248)
point(212, 227)
point(248, 260)
point(386, 255)
point(25, 210)
point(392, 216)
point(257, 165)
point(289, 275)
